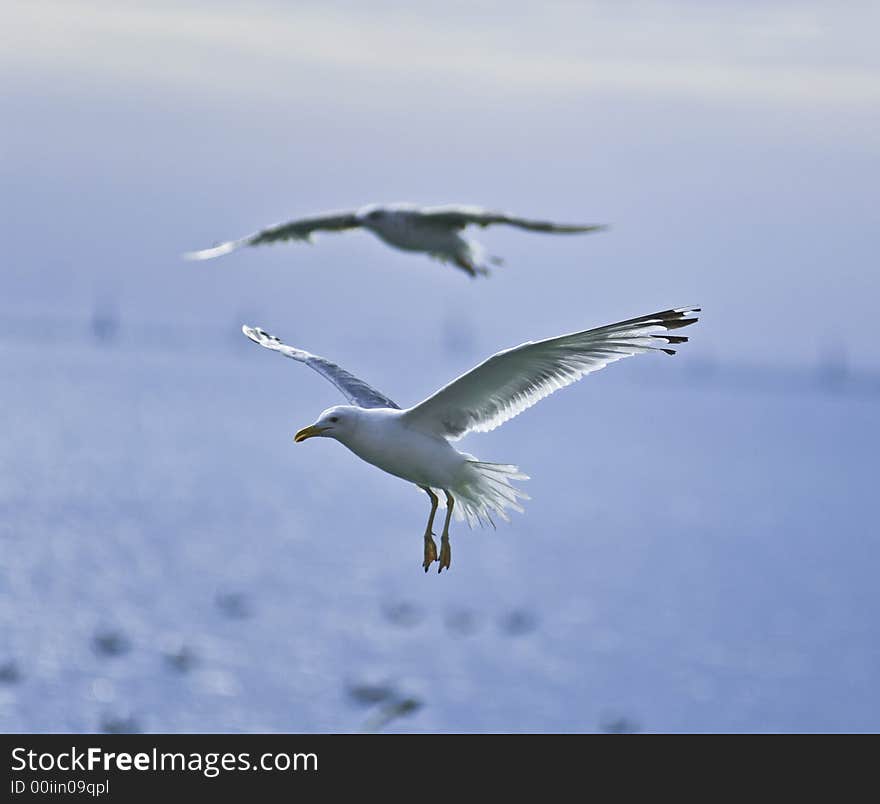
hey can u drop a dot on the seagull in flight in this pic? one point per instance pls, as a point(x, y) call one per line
point(415, 443)
point(436, 231)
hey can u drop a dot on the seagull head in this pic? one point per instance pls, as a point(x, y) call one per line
point(336, 423)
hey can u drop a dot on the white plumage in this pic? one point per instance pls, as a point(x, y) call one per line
point(414, 443)
point(436, 231)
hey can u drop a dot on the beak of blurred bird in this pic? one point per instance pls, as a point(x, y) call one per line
point(309, 432)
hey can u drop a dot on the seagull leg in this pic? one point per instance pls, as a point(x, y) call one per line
point(430, 544)
point(445, 550)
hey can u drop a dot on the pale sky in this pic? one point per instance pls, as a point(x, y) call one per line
point(776, 52)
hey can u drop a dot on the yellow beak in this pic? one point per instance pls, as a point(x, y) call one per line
point(309, 432)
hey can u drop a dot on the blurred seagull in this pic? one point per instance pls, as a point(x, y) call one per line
point(413, 443)
point(436, 231)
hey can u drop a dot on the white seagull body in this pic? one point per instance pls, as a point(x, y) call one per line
point(414, 443)
point(436, 231)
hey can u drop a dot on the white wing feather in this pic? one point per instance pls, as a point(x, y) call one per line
point(353, 389)
point(511, 381)
point(300, 229)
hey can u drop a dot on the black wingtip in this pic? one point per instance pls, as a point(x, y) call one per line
point(673, 319)
point(678, 318)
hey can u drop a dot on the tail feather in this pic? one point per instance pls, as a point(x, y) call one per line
point(484, 489)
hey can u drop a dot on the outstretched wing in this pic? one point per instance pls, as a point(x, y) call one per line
point(461, 216)
point(300, 229)
point(511, 381)
point(355, 390)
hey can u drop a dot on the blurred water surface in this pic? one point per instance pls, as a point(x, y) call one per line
point(692, 558)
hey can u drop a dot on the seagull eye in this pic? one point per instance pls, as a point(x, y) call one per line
point(334, 419)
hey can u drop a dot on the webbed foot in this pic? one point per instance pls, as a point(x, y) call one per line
point(445, 555)
point(430, 551)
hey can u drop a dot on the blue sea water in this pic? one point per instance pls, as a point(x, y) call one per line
point(699, 553)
